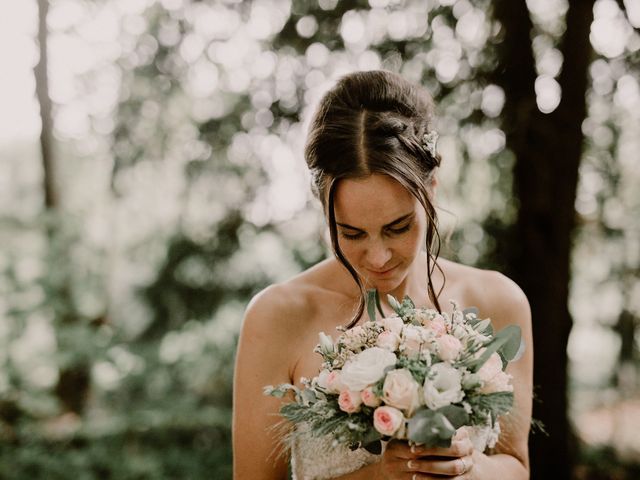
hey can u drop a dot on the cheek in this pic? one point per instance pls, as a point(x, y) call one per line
point(412, 242)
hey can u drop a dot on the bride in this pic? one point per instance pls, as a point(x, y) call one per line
point(371, 150)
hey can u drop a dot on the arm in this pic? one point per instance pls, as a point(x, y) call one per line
point(261, 359)
point(507, 304)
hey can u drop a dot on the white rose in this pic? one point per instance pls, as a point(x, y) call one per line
point(400, 390)
point(322, 379)
point(388, 340)
point(442, 386)
point(393, 324)
point(366, 368)
point(448, 347)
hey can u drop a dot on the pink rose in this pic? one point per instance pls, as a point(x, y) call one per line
point(387, 420)
point(437, 325)
point(498, 383)
point(388, 340)
point(369, 398)
point(491, 368)
point(400, 390)
point(349, 401)
point(448, 347)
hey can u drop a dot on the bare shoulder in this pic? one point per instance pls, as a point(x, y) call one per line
point(493, 293)
point(276, 308)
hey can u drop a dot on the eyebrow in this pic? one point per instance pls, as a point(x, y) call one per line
point(395, 222)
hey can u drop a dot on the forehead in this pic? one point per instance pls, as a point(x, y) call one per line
point(372, 201)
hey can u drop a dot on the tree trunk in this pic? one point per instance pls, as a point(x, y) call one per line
point(73, 383)
point(548, 149)
point(42, 91)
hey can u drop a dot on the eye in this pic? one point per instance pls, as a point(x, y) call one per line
point(400, 230)
point(355, 236)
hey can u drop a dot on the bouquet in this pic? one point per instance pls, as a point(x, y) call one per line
point(418, 375)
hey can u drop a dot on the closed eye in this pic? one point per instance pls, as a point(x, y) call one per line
point(394, 231)
point(351, 237)
point(406, 228)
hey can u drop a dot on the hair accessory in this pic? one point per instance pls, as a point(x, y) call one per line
point(429, 141)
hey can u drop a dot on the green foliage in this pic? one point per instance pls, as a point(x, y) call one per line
point(169, 452)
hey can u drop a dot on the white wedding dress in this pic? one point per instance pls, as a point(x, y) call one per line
point(314, 458)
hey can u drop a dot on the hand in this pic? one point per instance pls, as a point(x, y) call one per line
point(401, 461)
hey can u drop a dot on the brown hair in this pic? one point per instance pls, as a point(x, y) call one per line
point(373, 122)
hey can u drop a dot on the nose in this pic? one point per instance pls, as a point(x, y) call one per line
point(378, 255)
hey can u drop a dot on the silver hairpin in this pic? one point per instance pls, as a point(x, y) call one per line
point(429, 141)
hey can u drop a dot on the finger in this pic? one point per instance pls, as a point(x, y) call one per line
point(457, 466)
point(399, 449)
point(460, 448)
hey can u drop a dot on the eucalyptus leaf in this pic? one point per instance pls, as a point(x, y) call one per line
point(520, 351)
point(430, 428)
point(471, 310)
point(455, 414)
point(507, 341)
point(394, 304)
point(371, 304)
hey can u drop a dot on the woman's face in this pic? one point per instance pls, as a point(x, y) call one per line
point(381, 228)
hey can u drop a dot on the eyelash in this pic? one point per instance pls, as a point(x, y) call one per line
point(397, 231)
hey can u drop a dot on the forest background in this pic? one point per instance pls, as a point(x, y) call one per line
point(152, 180)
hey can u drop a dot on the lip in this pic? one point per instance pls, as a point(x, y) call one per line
point(383, 273)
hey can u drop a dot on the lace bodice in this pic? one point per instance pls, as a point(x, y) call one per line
point(316, 459)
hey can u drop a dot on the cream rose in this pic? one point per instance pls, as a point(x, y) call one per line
point(442, 387)
point(334, 382)
point(412, 340)
point(400, 390)
point(322, 379)
point(388, 340)
point(366, 368)
point(392, 324)
point(387, 420)
point(449, 347)
point(349, 401)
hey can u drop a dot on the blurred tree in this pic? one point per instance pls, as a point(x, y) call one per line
point(548, 150)
point(74, 377)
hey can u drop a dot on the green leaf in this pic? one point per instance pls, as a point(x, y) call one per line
point(408, 303)
point(455, 414)
point(378, 305)
point(512, 343)
point(394, 304)
point(507, 341)
point(470, 310)
point(430, 428)
point(371, 303)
